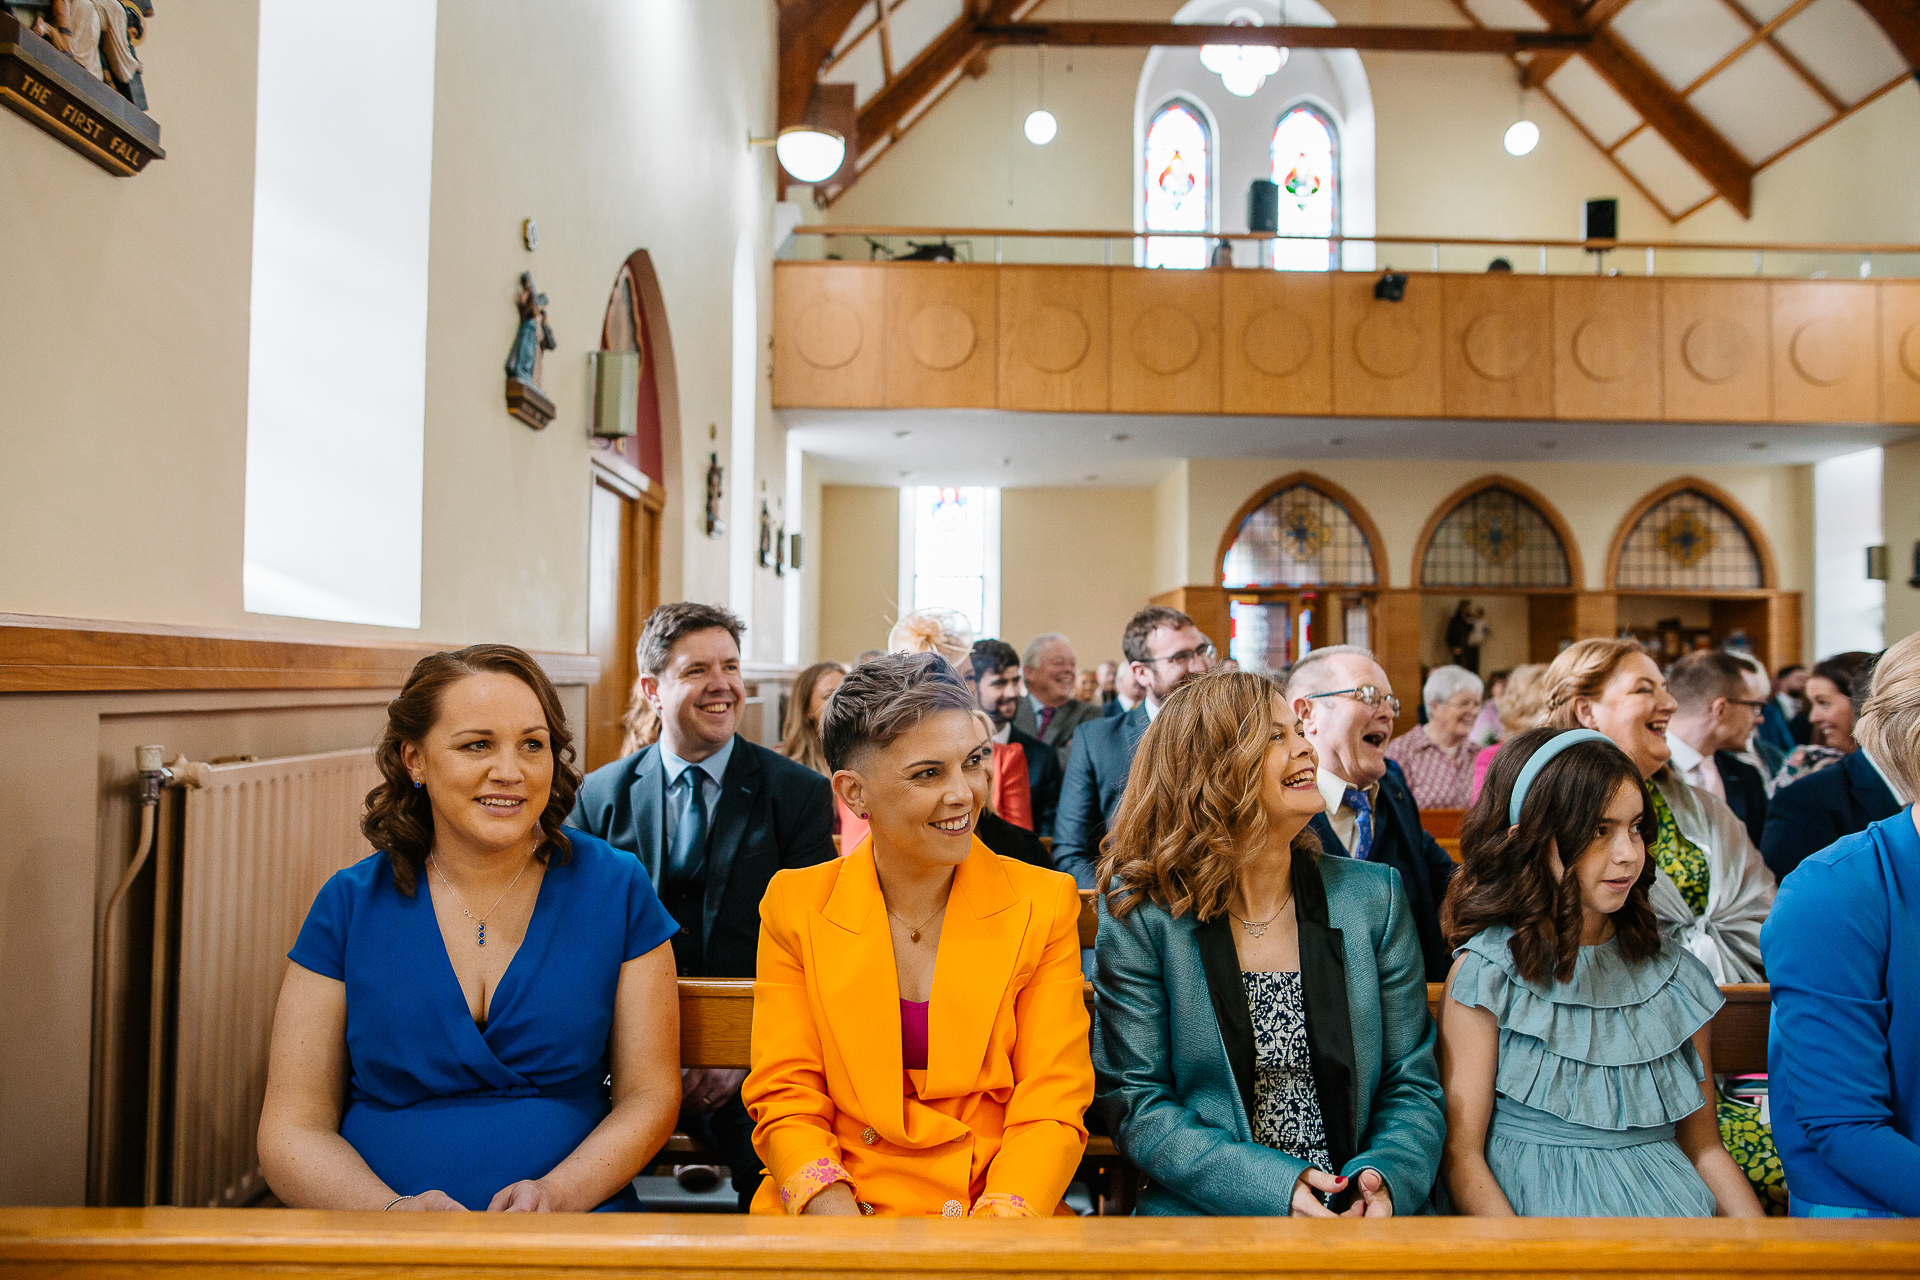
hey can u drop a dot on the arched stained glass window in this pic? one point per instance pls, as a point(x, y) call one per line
point(1299, 537)
point(1687, 540)
point(1306, 164)
point(1177, 184)
point(1495, 538)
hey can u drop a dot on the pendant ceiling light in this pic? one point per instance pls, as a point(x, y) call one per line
point(1041, 126)
point(809, 153)
point(1523, 135)
point(1243, 68)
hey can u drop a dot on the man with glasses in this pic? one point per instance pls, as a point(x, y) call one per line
point(1347, 708)
point(1717, 716)
point(1164, 650)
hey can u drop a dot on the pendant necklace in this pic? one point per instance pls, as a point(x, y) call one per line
point(913, 934)
point(1258, 928)
point(481, 920)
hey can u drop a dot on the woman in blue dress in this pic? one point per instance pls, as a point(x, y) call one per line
point(483, 1014)
point(1573, 1036)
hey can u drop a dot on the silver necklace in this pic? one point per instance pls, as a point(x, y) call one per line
point(481, 920)
point(1258, 928)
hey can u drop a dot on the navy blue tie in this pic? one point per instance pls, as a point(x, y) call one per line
point(1356, 800)
point(687, 852)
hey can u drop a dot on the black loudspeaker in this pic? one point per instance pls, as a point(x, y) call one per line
point(1263, 205)
point(1603, 219)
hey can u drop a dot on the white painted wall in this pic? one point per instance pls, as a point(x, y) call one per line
point(1849, 608)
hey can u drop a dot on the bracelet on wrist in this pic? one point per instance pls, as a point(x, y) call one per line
point(396, 1200)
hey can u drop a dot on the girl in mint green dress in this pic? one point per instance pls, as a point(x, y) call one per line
point(1573, 1038)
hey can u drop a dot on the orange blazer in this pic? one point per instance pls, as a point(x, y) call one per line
point(995, 1124)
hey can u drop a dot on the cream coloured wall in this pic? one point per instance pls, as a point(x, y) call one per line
point(1440, 168)
point(1593, 498)
point(574, 117)
point(1076, 561)
point(1900, 516)
point(858, 567)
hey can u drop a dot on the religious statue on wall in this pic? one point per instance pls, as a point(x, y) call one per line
point(100, 35)
point(766, 536)
point(1467, 630)
point(534, 338)
point(716, 527)
point(69, 68)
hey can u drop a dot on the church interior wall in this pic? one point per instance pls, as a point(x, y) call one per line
point(1076, 561)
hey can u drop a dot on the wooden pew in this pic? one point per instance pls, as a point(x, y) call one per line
point(215, 1244)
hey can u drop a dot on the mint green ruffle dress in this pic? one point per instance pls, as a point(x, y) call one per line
point(1594, 1073)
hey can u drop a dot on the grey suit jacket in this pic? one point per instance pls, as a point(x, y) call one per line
point(1096, 778)
point(1070, 715)
point(1173, 1047)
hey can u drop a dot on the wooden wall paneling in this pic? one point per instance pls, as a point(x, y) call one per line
point(1208, 608)
point(1550, 619)
point(1397, 646)
point(829, 320)
point(1714, 350)
point(1053, 329)
point(1900, 351)
point(1497, 361)
point(1825, 357)
point(1276, 332)
point(1386, 355)
point(1596, 615)
point(1166, 341)
point(1783, 631)
point(1606, 348)
point(942, 323)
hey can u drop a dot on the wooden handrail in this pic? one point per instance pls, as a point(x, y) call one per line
point(247, 1242)
point(1033, 233)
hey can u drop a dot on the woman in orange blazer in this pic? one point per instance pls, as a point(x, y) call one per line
point(919, 1028)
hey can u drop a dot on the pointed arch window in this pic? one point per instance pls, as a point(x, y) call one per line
point(1495, 538)
point(1306, 164)
point(1177, 184)
point(1689, 541)
point(1299, 537)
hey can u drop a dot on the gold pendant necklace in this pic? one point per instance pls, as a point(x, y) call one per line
point(479, 921)
point(913, 934)
point(1258, 928)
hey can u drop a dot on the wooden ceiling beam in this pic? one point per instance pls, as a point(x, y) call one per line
point(1900, 19)
point(1596, 15)
point(1673, 117)
point(930, 69)
point(1135, 35)
point(808, 31)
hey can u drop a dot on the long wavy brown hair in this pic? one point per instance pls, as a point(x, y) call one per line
point(1505, 876)
point(399, 816)
point(800, 742)
point(1192, 815)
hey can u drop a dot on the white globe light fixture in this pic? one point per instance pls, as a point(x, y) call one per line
point(1522, 136)
point(1243, 68)
point(809, 153)
point(1041, 127)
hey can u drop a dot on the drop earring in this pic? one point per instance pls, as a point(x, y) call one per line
point(416, 784)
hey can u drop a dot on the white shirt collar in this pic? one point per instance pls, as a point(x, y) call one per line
point(1904, 800)
point(714, 766)
point(1153, 708)
point(1685, 758)
point(1004, 734)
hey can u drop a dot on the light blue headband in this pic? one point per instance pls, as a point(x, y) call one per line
point(1538, 761)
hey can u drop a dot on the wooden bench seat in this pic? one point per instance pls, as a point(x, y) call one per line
point(211, 1244)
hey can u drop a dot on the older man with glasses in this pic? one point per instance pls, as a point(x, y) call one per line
point(1717, 716)
point(1164, 650)
point(1347, 708)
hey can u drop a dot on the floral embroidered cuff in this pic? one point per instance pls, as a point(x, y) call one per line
point(808, 1181)
point(1002, 1204)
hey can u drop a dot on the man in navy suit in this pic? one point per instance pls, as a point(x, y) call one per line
point(713, 816)
point(1717, 718)
point(994, 671)
point(1347, 708)
point(1165, 650)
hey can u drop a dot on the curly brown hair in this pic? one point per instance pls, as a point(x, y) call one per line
point(1505, 876)
point(1191, 816)
point(399, 816)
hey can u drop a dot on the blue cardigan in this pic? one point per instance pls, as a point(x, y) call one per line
point(1173, 1050)
point(1842, 950)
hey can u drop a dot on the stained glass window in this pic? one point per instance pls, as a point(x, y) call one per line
point(1688, 540)
point(1306, 164)
point(1495, 538)
point(1299, 537)
point(950, 561)
point(1177, 185)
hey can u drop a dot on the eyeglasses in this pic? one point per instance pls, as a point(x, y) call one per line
point(1366, 695)
point(1206, 650)
point(1758, 708)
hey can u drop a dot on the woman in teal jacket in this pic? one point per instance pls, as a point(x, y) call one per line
point(1261, 1038)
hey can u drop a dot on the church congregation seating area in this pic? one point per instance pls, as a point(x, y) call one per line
point(960, 638)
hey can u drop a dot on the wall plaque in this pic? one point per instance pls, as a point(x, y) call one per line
point(54, 92)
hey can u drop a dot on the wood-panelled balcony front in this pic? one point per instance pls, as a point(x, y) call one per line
point(1093, 339)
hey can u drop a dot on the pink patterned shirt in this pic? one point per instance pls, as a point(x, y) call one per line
point(1439, 779)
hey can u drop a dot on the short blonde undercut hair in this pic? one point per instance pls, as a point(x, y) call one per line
point(1889, 723)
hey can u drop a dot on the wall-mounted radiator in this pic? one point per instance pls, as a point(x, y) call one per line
point(250, 846)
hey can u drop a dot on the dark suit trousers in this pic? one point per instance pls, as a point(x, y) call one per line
point(729, 1131)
